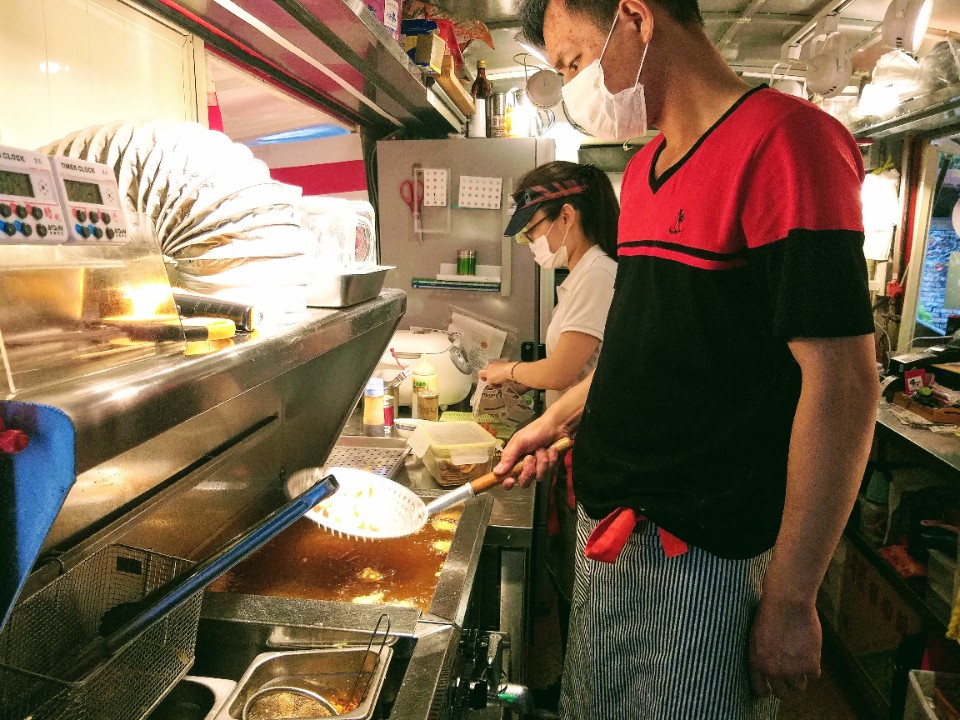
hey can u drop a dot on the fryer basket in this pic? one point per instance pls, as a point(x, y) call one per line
point(47, 633)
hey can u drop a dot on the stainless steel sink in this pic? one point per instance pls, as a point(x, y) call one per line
point(194, 698)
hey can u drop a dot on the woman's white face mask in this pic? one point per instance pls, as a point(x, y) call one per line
point(543, 256)
point(606, 116)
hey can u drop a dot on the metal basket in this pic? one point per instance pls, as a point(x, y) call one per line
point(47, 633)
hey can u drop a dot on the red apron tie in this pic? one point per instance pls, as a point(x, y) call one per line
point(553, 521)
point(608, 538)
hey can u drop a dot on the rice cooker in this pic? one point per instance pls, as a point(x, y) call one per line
point(441, 350)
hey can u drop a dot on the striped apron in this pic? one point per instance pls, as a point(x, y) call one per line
point(657, 638)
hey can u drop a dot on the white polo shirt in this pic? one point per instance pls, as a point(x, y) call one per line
point(583, 300)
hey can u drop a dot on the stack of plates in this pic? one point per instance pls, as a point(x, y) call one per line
point(224, 226)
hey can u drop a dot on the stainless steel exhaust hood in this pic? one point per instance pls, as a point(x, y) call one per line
point(332, 53)
point(185, 454)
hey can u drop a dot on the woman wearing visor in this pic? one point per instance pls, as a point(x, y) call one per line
point(567, 214)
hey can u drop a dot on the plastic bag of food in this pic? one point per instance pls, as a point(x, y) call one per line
point(941, 66)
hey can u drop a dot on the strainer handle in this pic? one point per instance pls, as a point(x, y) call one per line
point(491, 480)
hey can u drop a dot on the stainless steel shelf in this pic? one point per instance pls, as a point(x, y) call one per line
point(937, 110)
point(331, 53)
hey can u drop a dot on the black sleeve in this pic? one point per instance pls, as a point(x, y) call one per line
point(815, 283)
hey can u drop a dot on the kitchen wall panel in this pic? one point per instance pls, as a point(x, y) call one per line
point(72, 63)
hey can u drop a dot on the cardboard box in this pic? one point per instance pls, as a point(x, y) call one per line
point(388, 13)
point(948, 415)
point(430, 51)
point(924, 702)
point(872, 617)
point(828, 596)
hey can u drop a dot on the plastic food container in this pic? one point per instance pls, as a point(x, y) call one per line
point(454, 452)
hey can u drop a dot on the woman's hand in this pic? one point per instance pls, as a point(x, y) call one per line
point(497, 372)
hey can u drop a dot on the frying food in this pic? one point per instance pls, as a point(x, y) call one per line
point(310, 563)
point(371, 575)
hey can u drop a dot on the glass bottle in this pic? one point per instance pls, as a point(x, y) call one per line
point(373, 419)
point(481, 91)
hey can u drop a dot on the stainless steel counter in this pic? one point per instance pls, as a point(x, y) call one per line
point(939, 452)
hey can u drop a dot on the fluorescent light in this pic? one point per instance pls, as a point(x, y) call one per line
point(314, 132)
point(905, 23)
point(531, 48)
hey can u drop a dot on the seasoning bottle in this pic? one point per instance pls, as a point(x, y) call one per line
point(424, 380)
point(389, 411)
point(463, 262)
point(472, 262)
point(482, 89)
point(496, 115)
point(373, 419)
point(428, 405)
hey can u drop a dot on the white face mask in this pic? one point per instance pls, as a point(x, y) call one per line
point(606, 116)
point(540, 247)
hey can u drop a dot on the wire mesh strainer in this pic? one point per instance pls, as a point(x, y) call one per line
point(372, 507)
point(287, 703)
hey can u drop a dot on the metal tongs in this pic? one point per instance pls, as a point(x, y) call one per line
point(372, 507)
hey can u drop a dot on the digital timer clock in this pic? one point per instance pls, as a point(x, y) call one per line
point(91, 201)
point(30, 209)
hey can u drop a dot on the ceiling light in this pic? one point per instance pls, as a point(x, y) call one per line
point(787, 85)
point(905, 23)
point(830, 70)
point(544, 88)
point(790, 87)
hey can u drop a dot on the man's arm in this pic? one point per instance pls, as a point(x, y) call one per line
point(829, 445)
point(560, 420)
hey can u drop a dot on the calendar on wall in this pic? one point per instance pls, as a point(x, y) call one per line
point(480, 192)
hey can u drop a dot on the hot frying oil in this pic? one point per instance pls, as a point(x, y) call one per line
point(310, 563)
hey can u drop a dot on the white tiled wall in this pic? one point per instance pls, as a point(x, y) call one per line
point(68, 64)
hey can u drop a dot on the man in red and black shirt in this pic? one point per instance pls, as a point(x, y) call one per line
point(721, 440)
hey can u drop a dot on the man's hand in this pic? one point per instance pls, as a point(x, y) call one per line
point(785, 646)
point(534, 442)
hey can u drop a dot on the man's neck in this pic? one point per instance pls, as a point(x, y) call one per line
point(699, 88)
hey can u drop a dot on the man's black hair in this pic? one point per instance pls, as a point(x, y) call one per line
point(601, 12)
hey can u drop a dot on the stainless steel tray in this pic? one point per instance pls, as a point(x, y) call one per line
point(335, 291)
point(329, 672)
point(384, 456)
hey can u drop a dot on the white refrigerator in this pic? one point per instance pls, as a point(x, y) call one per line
point(453, 177)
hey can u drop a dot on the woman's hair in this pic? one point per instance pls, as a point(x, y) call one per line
point(597, 205)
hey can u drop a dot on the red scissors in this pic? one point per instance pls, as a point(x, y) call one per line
point(407, 194)
point(414, 201)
